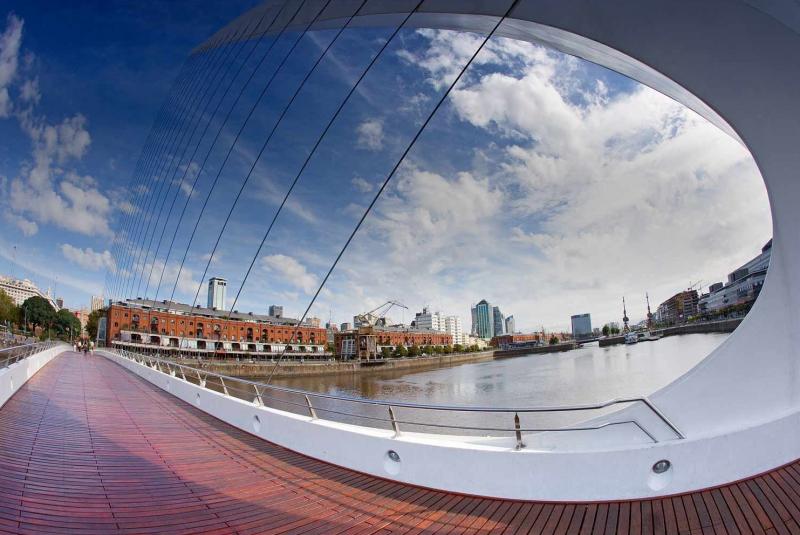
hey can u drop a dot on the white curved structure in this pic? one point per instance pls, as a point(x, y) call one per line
point(735, 62)
point(13, 376)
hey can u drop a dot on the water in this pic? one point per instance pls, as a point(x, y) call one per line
point(587, 375)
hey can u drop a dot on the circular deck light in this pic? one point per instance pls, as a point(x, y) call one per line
point(661, 466)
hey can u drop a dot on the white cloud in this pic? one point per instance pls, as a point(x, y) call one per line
point(587, 194)
point(45, 192)
point(29, 92)
point(26, 226)
point(10, 42)
point(186, 288)
point(362, 185)
point(290, 271)
point(88, 258)
point(370, 134)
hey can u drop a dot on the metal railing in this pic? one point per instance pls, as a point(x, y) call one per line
point(11, 355)
point(387, 412)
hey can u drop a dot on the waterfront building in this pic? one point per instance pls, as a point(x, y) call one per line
point(581, 326)
point(499, 321)
point(96, 303)
point(346, 326)
point(83, 317)
point(678, 308)
point(426, 319)
point(452, 326)
point(369, 342)
point(217, 292)
point(743, 286)
point(511, 326)
point(483, 320)
point(180, 328)
point(313, 322)
point(510, 339)
point(275, 311)
point(20, 290)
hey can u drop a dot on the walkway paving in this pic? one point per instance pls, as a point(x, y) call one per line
point(87, 447)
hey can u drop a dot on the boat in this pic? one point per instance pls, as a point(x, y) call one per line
point(647, 336)
point(631, 338)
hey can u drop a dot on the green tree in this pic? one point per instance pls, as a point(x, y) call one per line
point(614, 330)
point(458, 348)
point(400, 351)
point(66, 324)
point(606, 330)
point(386, 352)
point(447, 349)
point(553, 340)
point(94, 319)
point(413, 351)
point(474, 348)
point(9, 312)
point(38, 312)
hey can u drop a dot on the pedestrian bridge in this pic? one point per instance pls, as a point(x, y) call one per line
point(89, 447)
point(115, 443)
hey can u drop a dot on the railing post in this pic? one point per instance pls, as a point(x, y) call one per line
point(518, 433)
point(200, 380)
point(311, 410)
point(258, 399)
point(395, 427)
point(224, 388)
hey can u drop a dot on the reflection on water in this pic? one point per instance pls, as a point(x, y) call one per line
point(587, 375)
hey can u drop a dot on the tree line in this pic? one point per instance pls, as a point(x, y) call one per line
point(37, 313)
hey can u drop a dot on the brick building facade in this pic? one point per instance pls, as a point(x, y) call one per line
point(346, 342)
point(176, 326)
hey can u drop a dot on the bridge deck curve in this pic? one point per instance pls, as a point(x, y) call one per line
point(87, 447)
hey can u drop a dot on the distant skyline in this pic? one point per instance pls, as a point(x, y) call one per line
point(546, 184)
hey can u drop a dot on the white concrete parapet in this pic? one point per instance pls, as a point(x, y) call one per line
point(14, 376)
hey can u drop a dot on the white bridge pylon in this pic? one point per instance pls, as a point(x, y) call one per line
point(737, 63)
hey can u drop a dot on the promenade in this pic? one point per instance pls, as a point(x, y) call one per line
point(87, 447)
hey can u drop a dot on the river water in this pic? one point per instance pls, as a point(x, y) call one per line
point(587, 375)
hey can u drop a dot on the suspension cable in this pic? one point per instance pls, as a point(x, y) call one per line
point(392, 173)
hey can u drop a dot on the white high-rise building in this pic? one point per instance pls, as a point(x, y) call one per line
point(452, 326)
point(97, 303)
point(217, 292)
point(20, 290)
point(426, 319)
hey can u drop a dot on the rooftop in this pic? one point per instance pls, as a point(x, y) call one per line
point(187, 310)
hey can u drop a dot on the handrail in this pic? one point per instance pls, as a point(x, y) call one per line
point(17, 347)
point(24, 351)
point(260, 390)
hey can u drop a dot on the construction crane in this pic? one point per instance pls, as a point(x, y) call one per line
point(368, 319)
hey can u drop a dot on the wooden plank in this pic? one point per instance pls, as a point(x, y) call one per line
point(121, 456)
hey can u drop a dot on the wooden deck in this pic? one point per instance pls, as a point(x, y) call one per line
point(86, 447)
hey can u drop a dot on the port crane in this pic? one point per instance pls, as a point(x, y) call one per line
point(368, 319)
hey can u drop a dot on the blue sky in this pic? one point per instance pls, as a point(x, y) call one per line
point(545, 184)
point(110, 63)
